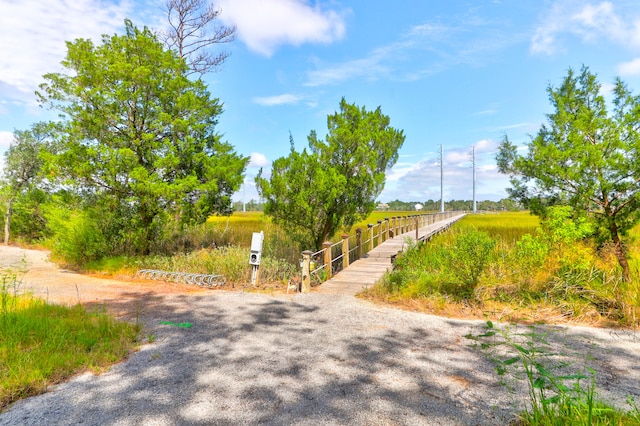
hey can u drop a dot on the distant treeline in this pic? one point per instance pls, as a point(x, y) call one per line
point(430, 205)
point(453, 205)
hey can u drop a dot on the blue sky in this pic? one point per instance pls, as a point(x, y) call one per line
point(457, 73)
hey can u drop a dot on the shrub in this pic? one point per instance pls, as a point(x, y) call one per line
point(468, 257)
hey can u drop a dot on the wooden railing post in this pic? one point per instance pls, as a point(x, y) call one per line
point(417, 228)
point(326, 246)
point(379, 233)
point(345, 251)
point(370, 229)
point(306, 271)
point(359, 242)
point(386, 228)
point(393, 226)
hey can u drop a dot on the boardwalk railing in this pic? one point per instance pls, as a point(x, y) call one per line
point(321, 265)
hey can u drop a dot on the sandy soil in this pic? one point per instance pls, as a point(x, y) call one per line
point(44, 279)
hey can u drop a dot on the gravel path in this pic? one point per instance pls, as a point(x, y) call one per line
point(309, 359)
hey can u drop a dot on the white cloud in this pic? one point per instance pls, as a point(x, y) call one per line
point(420, 180)
point(258, 160)
point(284, 99)
point(371, 67)
point(34, 33)
point(589, 22)
point(263, 25)
point(6, 138)
point(630, 68)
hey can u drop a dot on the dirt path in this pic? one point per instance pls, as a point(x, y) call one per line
point(46, 280)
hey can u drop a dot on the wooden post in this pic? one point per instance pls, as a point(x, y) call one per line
point(379, 233)
point(306, 271)
point(359, 242)
point(417, 228)
point(386, 228)
point(370, 227)
point(326, 246)
point(393, 226)
point(345, 251)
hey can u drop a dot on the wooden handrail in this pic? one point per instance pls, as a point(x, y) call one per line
point(386, 229)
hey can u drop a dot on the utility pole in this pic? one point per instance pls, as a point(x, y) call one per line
point(441, 181)
point(473, 155)
point(244, 195)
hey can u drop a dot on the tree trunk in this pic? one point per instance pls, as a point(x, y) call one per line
point(7, 222)
point(620, 250)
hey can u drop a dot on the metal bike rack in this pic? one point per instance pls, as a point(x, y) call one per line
point(203, 280)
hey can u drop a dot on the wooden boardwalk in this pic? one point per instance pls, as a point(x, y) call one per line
point(365, 272)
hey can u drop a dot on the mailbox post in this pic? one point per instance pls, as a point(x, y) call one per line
point(256, 253)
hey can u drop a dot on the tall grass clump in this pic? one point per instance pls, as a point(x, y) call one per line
point(42, 344)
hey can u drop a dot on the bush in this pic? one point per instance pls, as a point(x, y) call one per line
point(76, 239)
point(468, 257)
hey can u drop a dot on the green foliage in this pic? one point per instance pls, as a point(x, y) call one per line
point(561, 227)
point(314, 193)
point(529, 255)
point(43, 344)
point(468, 257)
point(22, 178)
point(137, 137)
point(585, 157)
point(77, 237)
point(556, 394)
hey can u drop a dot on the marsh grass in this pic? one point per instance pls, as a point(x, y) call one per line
point(42, 344)
point(530, 275)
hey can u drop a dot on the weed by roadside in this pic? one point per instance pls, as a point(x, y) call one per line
point(557, 395)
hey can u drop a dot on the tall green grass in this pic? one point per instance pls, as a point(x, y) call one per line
point(43, 344)
point(528, 275)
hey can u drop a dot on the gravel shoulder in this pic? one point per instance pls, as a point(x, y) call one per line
point(310, 359)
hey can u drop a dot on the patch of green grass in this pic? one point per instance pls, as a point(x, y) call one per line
point(42, 344)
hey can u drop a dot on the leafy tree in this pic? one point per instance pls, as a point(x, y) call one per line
point(333, 185)
point(189, 21)
point(585, 157)
point(138, 137)
point(23, 166)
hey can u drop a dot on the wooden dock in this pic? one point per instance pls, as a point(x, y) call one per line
point(365, 272)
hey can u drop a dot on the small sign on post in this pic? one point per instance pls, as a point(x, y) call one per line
point(256, 254)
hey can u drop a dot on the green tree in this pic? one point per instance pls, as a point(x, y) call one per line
point(333, 185)
point(22, 168)
point(585, 157)
point(138, 137)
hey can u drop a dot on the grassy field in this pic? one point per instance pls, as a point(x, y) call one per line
point(42, 344)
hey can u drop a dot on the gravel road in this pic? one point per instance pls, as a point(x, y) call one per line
point(310, 359)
